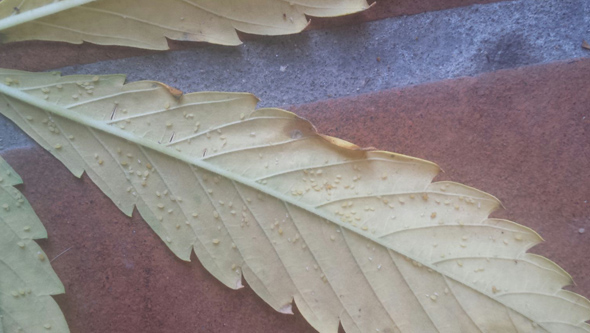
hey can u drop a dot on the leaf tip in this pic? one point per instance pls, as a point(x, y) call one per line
point(177, 93)
point(343, 143)
point(287, 309)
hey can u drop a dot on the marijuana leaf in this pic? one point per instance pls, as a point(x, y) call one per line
point(26, 277)
point(147, 23)
point(361, 237)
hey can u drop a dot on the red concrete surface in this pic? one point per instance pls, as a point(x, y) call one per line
point(39, 56)
point(522, 135)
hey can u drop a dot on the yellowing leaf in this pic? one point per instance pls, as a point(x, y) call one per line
point(26, 277)
point(147, 23)
point(353, 236)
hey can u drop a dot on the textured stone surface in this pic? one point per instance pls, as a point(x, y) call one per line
point(522, 135)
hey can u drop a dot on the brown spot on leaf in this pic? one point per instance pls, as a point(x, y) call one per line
point(177, 93)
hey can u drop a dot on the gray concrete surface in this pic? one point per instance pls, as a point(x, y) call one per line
point(374, 56)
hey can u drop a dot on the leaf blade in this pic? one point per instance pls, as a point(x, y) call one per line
point(291, 211)
point(27, 280)
point(147, 23)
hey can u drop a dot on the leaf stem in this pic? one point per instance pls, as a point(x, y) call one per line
point(33, 14)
